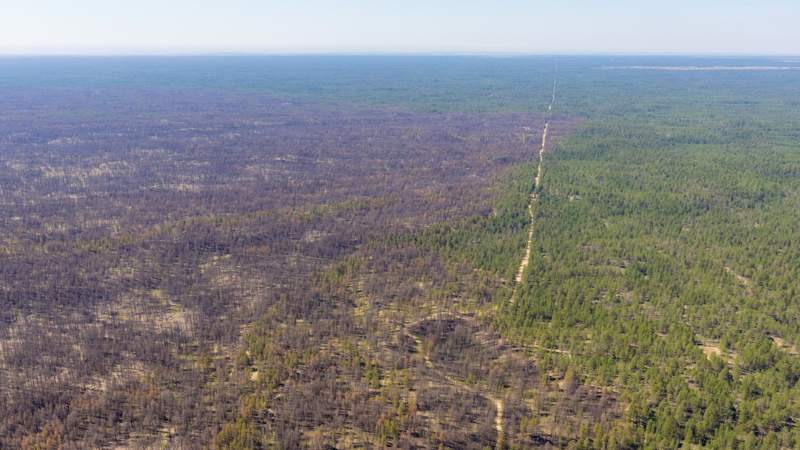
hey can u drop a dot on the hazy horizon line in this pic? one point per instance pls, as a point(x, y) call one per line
point(509, 53)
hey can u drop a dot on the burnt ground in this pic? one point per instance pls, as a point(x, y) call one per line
point(160, 249)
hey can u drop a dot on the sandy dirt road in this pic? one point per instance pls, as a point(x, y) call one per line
point(534, 197)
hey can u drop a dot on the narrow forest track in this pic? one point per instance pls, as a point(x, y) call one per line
point(534, 198)
point(498, 402)
point(747, 283)
point(499, 405)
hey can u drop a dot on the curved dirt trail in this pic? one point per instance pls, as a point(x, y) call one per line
point(498, 402)
point(523, 265)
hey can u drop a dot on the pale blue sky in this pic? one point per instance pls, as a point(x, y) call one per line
point(555, 26)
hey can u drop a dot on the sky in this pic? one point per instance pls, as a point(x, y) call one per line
point(747, 27)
